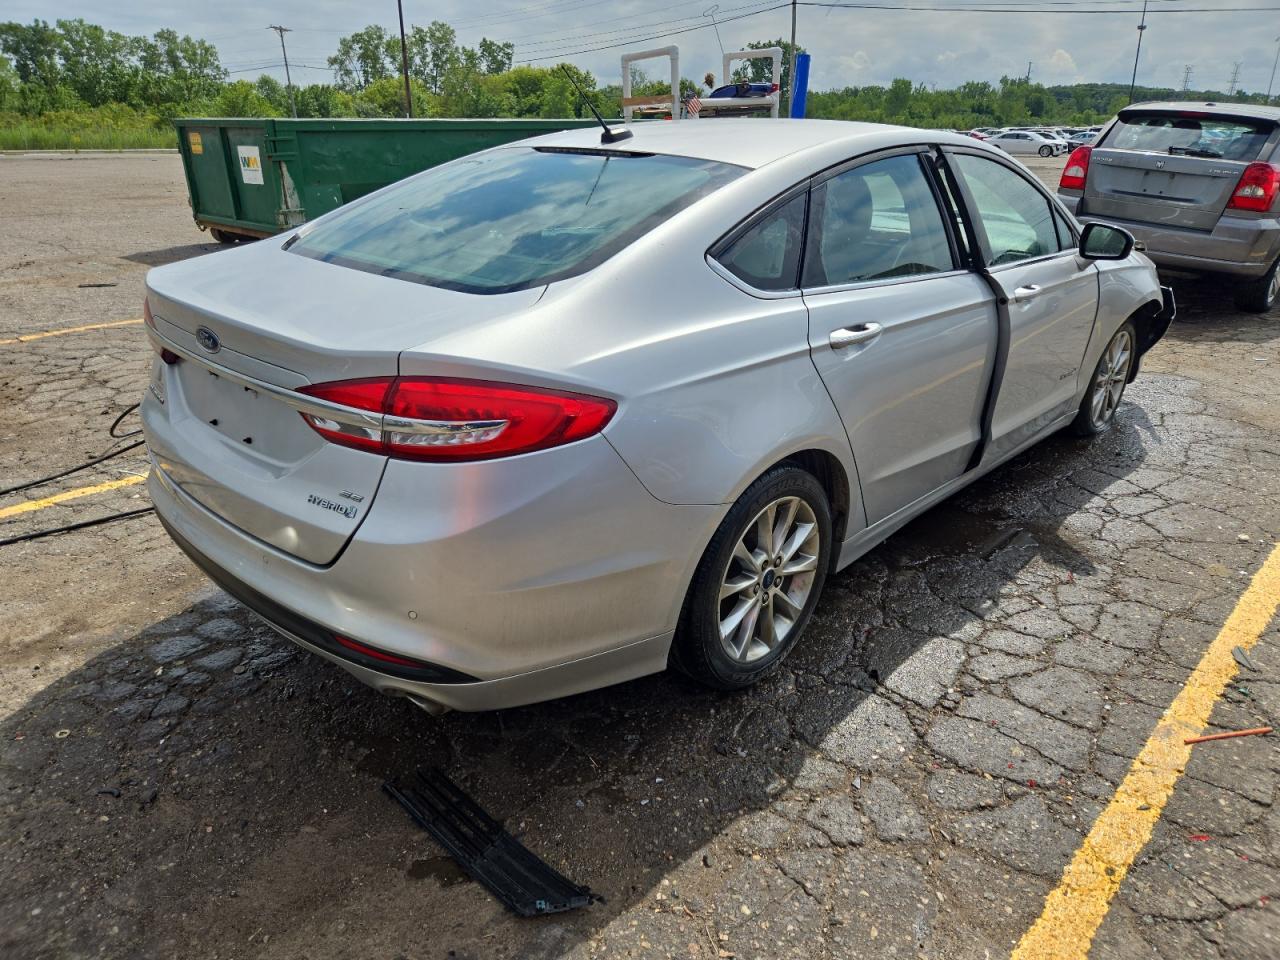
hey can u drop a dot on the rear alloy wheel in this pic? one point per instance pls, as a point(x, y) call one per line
point(1046, 151)
point(757, 582)
point(1106, 388)
point(1259, 296)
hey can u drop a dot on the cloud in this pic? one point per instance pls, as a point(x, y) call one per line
point(1062, 62)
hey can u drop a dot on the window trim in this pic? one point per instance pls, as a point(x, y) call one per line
point(980, 227)
point(735, 233)
point(717, 247)
point(958, 264)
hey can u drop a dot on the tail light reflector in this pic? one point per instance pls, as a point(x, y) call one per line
point(447, 419)
point(1076, 171)
point(1257, 188)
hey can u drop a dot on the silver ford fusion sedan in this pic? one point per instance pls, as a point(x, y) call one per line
point(569, 411)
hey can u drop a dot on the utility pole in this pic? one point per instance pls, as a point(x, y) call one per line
point(791, 68)
point(1235, 78)
point(1137, 53)
point(404, 63)
point(1186, 78)
point(288, 80)
point(1273, 70)
point(1028, 71)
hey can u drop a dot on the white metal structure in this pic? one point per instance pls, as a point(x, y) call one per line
point(712, 104)
point(629, 102)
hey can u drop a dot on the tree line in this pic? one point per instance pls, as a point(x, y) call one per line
point(73, 69)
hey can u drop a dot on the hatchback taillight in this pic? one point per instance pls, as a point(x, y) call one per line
point(1076, 172)
point(1257, 188)
point(447, 419)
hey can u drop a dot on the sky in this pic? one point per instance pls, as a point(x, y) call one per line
point(850, 47)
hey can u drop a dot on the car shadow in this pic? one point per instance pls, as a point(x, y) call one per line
point(207, 782)
point(185, 251)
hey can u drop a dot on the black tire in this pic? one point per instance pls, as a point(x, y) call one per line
point(1259, 296)
point(1087, 423)
point(223, 237)
point(697, 650)
point(1046, 151)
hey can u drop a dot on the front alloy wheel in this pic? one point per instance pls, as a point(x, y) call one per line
point(1110, 377)
point(757, 582)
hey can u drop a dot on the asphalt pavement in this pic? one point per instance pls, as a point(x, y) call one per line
point(977, 745)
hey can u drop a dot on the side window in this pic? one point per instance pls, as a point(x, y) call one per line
point(767, 255)
point(1066, 239)
point(1016, 216)
point(874, 222)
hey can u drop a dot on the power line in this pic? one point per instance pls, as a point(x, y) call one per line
point(580, 37)
point(655, 36)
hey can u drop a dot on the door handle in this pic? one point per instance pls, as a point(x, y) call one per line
point(858, 333)
point(1029, 292)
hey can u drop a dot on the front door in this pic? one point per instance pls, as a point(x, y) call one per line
point(1052, 293)
point(903, 337)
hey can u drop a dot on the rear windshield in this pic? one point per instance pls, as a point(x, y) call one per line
point(1193, 135)
point(511, 219)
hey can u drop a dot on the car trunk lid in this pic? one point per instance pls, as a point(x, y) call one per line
point(250, 331)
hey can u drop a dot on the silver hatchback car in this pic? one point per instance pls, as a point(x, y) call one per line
point(1197, 183)
point(562, 413)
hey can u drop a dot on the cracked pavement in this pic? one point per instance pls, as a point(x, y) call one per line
point(177, 780)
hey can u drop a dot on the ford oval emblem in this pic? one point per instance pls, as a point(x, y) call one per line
point(208, 339)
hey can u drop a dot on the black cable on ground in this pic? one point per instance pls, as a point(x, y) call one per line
point(116, 422)
point(94, 462)
point(66, 473)
point(97, 521)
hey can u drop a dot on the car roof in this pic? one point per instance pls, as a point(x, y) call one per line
point(1212, 106)
point(747, 142)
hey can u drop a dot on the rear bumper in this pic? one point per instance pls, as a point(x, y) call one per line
point(1236, 246)
point(524, 582)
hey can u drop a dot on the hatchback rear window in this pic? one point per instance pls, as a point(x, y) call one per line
point(512, 219)
point(1190, 134)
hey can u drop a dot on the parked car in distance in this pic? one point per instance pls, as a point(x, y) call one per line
point(977, 134)
point(1027, 142)
point(1081, 138)
point(1197, 183)
point(456, 439)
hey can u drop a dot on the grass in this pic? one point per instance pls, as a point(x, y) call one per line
point(90, 130)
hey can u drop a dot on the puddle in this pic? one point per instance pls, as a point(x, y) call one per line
point(442, 870)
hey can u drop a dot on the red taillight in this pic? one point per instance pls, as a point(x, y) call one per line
point(1077, 169)
point(445, 419)
point(167, 355)
point(1257, 188)
point(773, 88)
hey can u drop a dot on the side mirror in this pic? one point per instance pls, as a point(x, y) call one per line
point(1101, 241)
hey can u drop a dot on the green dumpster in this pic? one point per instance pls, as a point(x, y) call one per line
point(257, 177)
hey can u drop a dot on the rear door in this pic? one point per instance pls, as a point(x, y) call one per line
point(903, 337)
point(1052, 294)
point(1176, 168)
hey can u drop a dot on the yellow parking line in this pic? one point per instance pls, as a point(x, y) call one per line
point(28, 337)
point(75, 494)
point(1075, 909)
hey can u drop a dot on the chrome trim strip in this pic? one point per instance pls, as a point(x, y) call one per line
point(440, 427)
point(884, 282)
point(745, 287)
point(298, 401)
